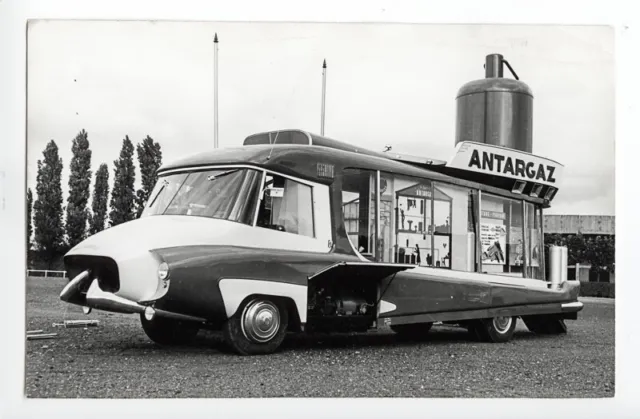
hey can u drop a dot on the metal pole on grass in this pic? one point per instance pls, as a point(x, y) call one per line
point(215, 91)
point(324, 94)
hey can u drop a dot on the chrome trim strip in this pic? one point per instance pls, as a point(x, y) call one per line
point(506, 284)
point(96, 298)
point(71, 290)
point(178, 316)
point(575, 304)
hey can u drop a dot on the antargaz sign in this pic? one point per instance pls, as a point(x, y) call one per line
point(504, 162)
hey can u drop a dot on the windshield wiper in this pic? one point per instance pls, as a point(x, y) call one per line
point(164, 185)
point(218, 176)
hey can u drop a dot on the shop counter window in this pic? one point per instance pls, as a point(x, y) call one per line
point(427, 224)
point(412, 230)
point(454, 227)
point(501, 236)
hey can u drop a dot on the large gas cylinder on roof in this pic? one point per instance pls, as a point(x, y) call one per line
point(496, 110)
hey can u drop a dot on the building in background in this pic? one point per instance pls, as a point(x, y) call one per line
point(590, 227)
point(595, 225)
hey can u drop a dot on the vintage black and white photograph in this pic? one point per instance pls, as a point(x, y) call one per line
point(339, 209)
point(232, 210)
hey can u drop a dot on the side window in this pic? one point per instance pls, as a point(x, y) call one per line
point(501, 235)
point(286, 206)
point(358, 210)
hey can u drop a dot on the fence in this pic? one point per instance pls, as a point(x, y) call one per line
point(46, 273)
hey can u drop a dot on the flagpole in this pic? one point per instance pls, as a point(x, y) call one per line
point(215, 91)
point(324, 94)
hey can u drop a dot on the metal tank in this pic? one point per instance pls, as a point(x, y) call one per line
point(496, 110)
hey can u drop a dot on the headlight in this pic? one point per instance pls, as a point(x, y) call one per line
point(163, 271)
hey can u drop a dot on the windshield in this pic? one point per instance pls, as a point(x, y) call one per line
point(229, 194)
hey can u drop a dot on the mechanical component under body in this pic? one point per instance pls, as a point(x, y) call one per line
point(346, 305)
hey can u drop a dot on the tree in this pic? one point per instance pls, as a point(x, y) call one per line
point(599, 252)
point(48, 213)
point(123, 195)
point(29, 225)
point(150, 160)
point(79, 184)
point(100, 199)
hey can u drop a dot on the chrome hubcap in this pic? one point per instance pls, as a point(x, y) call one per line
point(502, 324)
point(260, 321)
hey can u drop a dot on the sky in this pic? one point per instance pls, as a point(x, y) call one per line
point(389, 84)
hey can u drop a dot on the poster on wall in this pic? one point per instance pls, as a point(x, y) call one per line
point(494, 242)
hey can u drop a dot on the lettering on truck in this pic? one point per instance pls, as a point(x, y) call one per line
point(494, 162)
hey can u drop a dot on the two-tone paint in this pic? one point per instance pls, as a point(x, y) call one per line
point(215, 264)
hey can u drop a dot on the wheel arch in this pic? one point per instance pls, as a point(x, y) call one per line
point(236, 291)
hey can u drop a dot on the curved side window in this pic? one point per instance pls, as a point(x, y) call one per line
point(286, 206)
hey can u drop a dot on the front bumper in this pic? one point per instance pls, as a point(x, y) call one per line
point(95, 297)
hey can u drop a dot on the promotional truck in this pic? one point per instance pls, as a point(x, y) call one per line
point(294, 232)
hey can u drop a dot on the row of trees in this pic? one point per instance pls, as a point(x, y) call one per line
point(54, 234)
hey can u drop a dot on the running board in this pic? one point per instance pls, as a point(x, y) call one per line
point(569, 310)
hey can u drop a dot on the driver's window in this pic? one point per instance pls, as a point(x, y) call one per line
point(286, 205)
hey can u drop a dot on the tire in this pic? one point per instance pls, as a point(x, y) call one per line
point(414, 330)
point(164, 331)
point(545, 324)
point(246, 337)
point(495, 330)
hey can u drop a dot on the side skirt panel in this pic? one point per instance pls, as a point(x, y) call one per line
point(234, 291)
point(523, 310)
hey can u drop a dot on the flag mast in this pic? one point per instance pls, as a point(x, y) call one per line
point(215, 91)
point(324, 94)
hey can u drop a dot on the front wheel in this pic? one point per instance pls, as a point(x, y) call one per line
point(258, 327)
point(166, 331)
point(497, 329)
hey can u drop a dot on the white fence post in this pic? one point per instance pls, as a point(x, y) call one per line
point(46, 272)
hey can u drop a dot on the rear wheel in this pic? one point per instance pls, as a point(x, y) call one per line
point(258, 327)
point(497, 329)
point(166, 331)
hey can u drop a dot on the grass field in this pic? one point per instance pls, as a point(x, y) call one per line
point(117, 360)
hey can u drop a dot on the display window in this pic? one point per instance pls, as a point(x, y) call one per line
point(502, 236)
point(535, 242)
